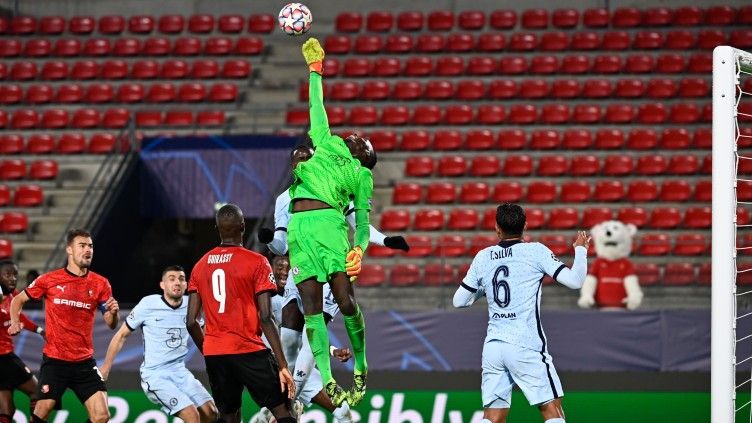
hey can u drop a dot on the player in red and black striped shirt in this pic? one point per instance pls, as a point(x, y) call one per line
point(234, 286)
point(14, 374)
point(72, 296)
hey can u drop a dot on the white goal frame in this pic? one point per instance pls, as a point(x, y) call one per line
point(726, 62)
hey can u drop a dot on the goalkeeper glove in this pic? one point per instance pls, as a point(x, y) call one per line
point(265, 235)
point(352, 264)
point(396, 243)
point(314, 55)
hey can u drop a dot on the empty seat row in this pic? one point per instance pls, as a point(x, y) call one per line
point(570, 139)
point(522, 114)
point(575, 64)
point(581, 165)
point(124, 93)
point(70, 47)
point(53, 70)
point(23, 195)
point(625, 17)
point(108, 118)
point(13, 222)
point(68, 143)
point(529, 41)
point(507, 89)
point(15, 169)
point(641, 190)
point(140, 24)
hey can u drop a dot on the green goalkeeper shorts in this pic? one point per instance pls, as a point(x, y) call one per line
point(318, 244)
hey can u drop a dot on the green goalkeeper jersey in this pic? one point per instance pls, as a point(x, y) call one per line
point(332, 175)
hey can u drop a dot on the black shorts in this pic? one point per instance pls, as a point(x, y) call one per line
point(257, 371)
point(13, 372)
point(82, 377)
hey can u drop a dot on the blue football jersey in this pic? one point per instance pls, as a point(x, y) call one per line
point(164, 332)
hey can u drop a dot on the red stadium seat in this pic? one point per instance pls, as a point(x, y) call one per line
point(456, 114)
point(415, 140)
point(236, 68)
point(12, 170)
point(503, 89)
point(428, 220)
point(23, 25)
point(690, 245)
point(535, 19)
point(676, 139)
point(368, 44)
point(518, 166)
point(652, 113)
point(394, 220)
point(231, 24)
point(630, 88)
point(115, 118)
point(11, 144)
point(201, 24)
point(688, 16)
point(534, 88)
point(642, 190)
point(634, 215)
point(14, 223)
point(541, 192)
point(507, 192)
point(24, 119)
point(395, 115)
point(219, 46)
point(187, 46)
point(585, 41)
point(463, 219)
point(684, 113)
point(700, 63)
point(585, 114)
point(626, 17)
point(665, 218)
point(447, 140)
point(575, 192)
point(597, 88)
point(349, 22)
point(536, 218)
point(223, 92)
point(10, 48)
point(470, 20)
point(648, 274)
point(711, 38)
point(523, 114)
point(642, 139)
point(552, 166)
point(141, 24)
point(545, 140)
point(596, 18)
point(654, 245)
point(248, 46)
point(670, 63)
point(607, 191)
point(440, 20)
point(10, 94)
point(41, 170)
point(584, 165)
point(452, 166)
point(479, 242)
point(430, 43)
point(544, 65)
point(503, 19)
point(52, 25)
point(405, 275)
point(488, 114)
point(426, 115)
point(406, 193)
point(37, 48)
point(594, 216)
point(697, 218)
point(371, 274)
point(126, 47)
point(554, 41)
point(149, 69)
point(449, 66)
point(565, 18)
point(474, 192)
point(680, 40)
point(398, 44)
point(523, 41)
point(379, 21)
point(23, 71)
point(679, 274)
point(618, 165)
point(355, 67)
point(615, 40)
point(439, 90)
point(607, 64)
point(484, 166)
point(101, 143)
point(512, 139)
point(441, 193)
point(410, 21)
point(577, 139)
point(5, 194)
point(71, 144)
point(262, 23)
point(419, 166)
point(563, 218)
point(479, 139)
point(661, 88)
point(683, 165)
point(469, 90)
point(557, 243)
point(171, 24)
point(420, 246)
point(651, 165)
point(609, 139)
point(161, 93)
point(703, 138)
point(178, 118)
point(565, 88)
point(648, 40)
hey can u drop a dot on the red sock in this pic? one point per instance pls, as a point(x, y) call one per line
point(4, 418)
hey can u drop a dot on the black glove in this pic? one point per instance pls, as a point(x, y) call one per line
point(396, 243)
point(265, 235)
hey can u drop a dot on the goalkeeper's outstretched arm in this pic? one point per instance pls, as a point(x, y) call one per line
point(314, 57)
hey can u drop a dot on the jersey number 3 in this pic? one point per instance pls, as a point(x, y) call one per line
point(501, 292)
point(218, 289)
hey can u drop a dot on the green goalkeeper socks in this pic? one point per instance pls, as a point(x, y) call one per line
point(318, 338)
point(356, 330)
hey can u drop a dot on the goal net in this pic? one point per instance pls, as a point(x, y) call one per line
point(731, 326)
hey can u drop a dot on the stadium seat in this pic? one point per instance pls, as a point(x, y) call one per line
point(440, 20)
point(70, 143)
point(187, 46)
point(697, 218)
point(690, 245)
point(515, 165)
point(428, 220)
point(40, 144)
point(10, 93)
point(348, 22)
point(610, 139)
point(261, 23)
point(552, 166)
point(439, 90)
point(14, 222)
point(670, 63)
point(654, 245)
point(565, 18)
point(231, 24)
point(577, 139)
point(379, 21)
point(419, 166)
point(130, 93)
point(28, 196)
point(554, 41)
point(52, 70)
point(236, 68)
point(484, 166)
point(700, 63)
point(503, 89)
point(545, 65)
point(219, 46)
point(5, 194)
point(469, 90)
point(618, 165)
point(597, 88)
point(512, 139)
point(99, 93)
point(639, 63)
point(410, 21)
point(462, 219)
point(490, 42)
point(23, 71)
point(679, 274)
point(371, 275)
point(406, 193)
point(395, 115)
point(415, 140)
point(523, 114)
point(178, 118)
point(507, 192)
point(615, 40)
point(703, 191)
point(479, 242)
point(648, 274)
point(651, 165)
point(37, 48)
point(608, 191)
point(575, 192)
point(563, 218)
point(585, 165)
point(648, 40)
point(24, 119)
point(513, 65)
point(584, 41)
point(676, 139)
point(404, 275)
point(685, 113)
point(452, 166)
point(447, 140)
point(607, 63)
point(10, 48)
point(43, 169)
point(694, 87)
point(479, 139)
point(594, 216)
point(534, 88)
point(586, 114)
point(394, 220)
point(101, 143)
point(440, 193)
point(368, 44)
point(430, 43)
point(426, 115)
point(471, 20)
point(85, 118)
point(385, 140)
point(541, 192)
point(474, 192)
point(337, 44)
point(642, 190)
point(455, 114)
point(704, 274)
point(634, 215)
point(683, 165)
point(566, 88)
point(450, 246)
point(115, 118)
point(420, 246)
point(157, 47)
point(488, 114)
point(665, 218)
point(126, 47)
point(630, 88)
point(557, 243)
point(523, 41)
point(711, 38)
point(435, 274)
point(642, 139)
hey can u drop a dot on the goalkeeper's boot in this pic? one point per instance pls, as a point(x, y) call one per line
point(358, 391)
point(336, 393)
point(297, 408)
point(263, 416)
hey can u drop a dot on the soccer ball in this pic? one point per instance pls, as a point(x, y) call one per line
point(295, 19)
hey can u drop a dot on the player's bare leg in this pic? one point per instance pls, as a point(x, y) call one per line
point(341, 414)
point(495, 415)
point(283, 413)
point(208, 412)
point(30, 389)
point(552, 410)
point(312, 295)
point(356, 330)
point(7, 407)
point(43, 409)
point(189, 414)
point(96, 406)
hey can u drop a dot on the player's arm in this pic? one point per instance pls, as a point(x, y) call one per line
point(192, 322)
point(268, 326)
point(116, 344)
point(29, 325)
point(572, 277)
point(110, 312)
point(375, 236)
point(314, 57)
point(277, 242)
point(16, 305)
point(470, 290)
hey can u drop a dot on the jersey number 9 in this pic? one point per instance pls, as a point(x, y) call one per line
point(501, 285)
point(218, 288)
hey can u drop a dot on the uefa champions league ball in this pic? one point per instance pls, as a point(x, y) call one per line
point(295, 19)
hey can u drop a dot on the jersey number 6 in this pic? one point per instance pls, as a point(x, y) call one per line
point(499, 285)
point(218, 288)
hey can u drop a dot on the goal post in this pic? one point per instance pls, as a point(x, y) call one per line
point(728, 65)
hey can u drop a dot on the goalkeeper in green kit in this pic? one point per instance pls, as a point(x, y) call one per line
point(318, 235)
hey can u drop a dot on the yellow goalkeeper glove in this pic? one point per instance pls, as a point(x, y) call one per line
point(352, 265)
point(313, 54)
